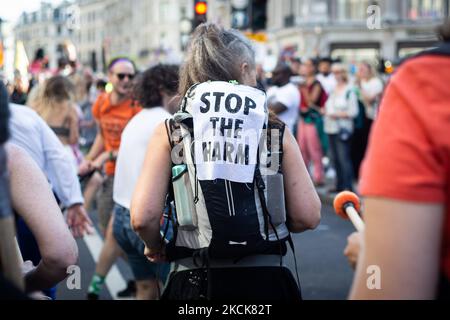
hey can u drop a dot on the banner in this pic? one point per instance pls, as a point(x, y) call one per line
point(228, 123)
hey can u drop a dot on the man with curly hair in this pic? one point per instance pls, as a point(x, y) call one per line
point(155, 91)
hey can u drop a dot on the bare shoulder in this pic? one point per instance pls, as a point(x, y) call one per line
point(16, 155)
point(160, 135)
point(20, 163)
point(289, 141)
point(160, 129)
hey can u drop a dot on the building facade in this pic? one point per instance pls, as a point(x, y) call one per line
point(147, 31)
point(90, 38)
point(48, 28)
point(158, 30)
point(354, 29)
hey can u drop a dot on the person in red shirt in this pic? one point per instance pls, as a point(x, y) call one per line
point(406, 183)
point(112, 111)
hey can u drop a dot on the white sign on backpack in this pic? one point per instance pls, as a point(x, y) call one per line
point(228, 123)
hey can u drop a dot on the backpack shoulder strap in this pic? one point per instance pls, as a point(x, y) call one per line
point(173, 134)
point(168, 123)
point(189, 94)
point(280, 126)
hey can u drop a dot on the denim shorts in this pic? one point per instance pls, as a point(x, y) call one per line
point(133, 246)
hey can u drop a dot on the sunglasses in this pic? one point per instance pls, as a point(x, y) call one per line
point(122, 76)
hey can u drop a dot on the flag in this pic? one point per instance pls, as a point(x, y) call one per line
point(21, 62)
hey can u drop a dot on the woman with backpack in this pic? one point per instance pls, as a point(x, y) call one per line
point(231, 240)
point(340, 110)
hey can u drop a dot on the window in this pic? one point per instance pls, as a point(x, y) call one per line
point(56, 14)
point(183, 11)
point(352, 10)
point(163, 12)
point(353, 52)
point(352, 56)
point(425, 9)
point(288, 13)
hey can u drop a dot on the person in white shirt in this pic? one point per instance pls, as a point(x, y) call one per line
point(325, 76)
point(284, 97)
point(369, 91)
point(155, 91)
point(31, 133)
point(340, 110)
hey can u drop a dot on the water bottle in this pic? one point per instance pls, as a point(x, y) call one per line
point(184, 198)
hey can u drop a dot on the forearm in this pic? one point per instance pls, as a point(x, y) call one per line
point(149, 233)
point(368, 99)
point(309, 217)
point(105, 156)
point(96, 149)
point(44, 276)
point(343, 115)
point(337, 114)
point(297, 227)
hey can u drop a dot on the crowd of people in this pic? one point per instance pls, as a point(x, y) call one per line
point(78, 143)
point(330, 113)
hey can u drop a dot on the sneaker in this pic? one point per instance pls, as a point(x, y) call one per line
point(129, 291)
point(92, 296)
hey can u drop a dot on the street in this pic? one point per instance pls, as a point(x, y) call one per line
point(323, 270)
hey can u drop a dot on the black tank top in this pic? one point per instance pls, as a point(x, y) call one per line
point(61, 131)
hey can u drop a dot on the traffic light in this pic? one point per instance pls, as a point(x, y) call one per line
point(200, 11)
point(1, 55)
point(258, 15)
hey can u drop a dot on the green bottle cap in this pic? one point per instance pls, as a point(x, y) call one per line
point(178, 170)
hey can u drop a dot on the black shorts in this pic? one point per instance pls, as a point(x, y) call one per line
point(246, 283)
